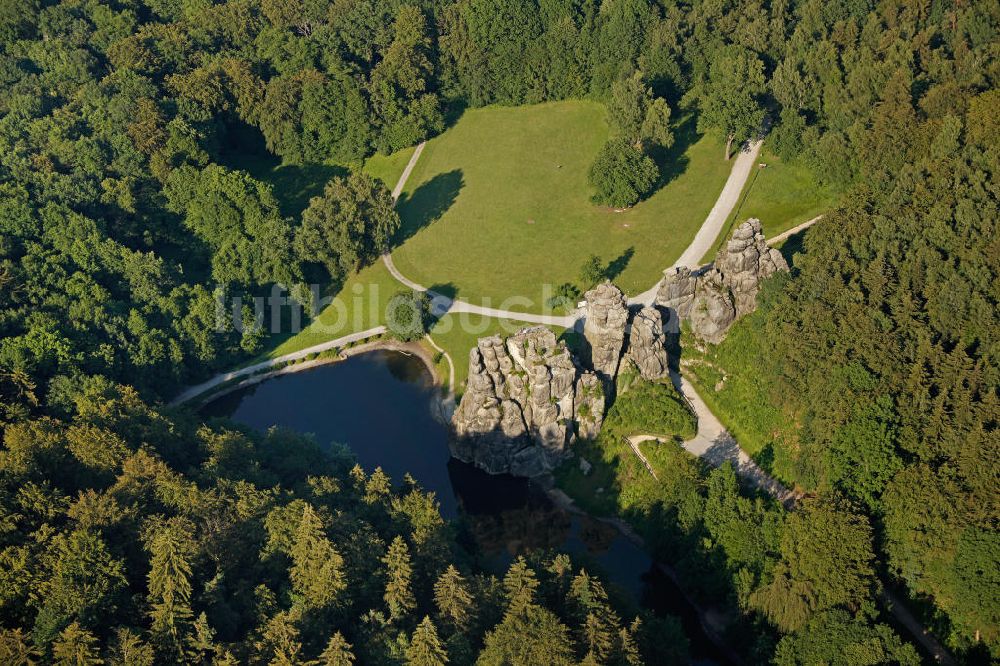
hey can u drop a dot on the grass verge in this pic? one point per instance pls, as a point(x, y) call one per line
point(357, 305)
point(781, 195)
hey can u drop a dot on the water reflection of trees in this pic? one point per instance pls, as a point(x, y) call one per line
point(516, 531)
point(506, 515)
point(404, 367)
point(597, 536)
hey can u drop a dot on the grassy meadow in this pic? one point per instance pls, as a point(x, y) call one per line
point(500, 204)
point(781, 195)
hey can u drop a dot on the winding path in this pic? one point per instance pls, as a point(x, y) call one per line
point(705, 238)
point(794, 230)
point(712, 442)
point(743, 165)
point(448, 402)
point(441, 304)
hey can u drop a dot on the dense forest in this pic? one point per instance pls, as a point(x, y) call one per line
point(138, 537)
point(133, 534)
point(873, 370)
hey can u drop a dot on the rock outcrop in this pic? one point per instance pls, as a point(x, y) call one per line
point(744, 262)
point(712, 312)
point(524, 398)
point(604, 329)
point(647, 344)
point(711, 300)
point(676, 291)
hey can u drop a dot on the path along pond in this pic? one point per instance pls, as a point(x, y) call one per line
point(378, 404)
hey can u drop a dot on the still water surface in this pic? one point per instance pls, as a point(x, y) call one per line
point(378, 405)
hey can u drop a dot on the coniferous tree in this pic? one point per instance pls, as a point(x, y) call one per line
point(280, 643)
point(16, 649)
point(519, 585)
point(425, 647)
point(398, 570)
point(76, 647)
point(453, 600)
point(317, 571)
point(629, 645)
point(129, 649)
point(598, 623)
point(202, 640)
point(337, 652)
point(171, 546)
point(527, 638)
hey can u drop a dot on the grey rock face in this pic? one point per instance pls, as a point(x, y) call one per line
point(713, 300)
point(607, 315)
point(647, 344)
point(712, 311)
point(744, 262)
point(676, 290)
point(519, 407)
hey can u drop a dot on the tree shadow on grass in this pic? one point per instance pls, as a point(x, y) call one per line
point(427, 203)
point(672, 162)
point(616, 266)
point(446, 289)
point(794, 246)
point(441, 299)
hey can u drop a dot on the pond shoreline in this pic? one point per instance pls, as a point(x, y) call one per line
point(414, 349)
point(709, 620)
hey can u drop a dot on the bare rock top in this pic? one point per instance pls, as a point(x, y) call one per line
point(744, 262)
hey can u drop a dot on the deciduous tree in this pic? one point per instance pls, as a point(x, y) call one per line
point(348, 226)
point(730, 101)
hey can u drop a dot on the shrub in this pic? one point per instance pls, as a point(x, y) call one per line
point(408, 315)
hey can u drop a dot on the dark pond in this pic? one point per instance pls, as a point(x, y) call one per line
point(378, 404)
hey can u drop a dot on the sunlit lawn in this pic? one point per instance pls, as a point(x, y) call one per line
point(357, 306)
point(388, 168)
point(500, 204)
point(781, 195)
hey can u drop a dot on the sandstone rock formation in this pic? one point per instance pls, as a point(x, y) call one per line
point(744, 262)
point(523, 398)
point(604, 329)
point(712, 312)
point(676, 291)
point(647, 344)
point(713, 299)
